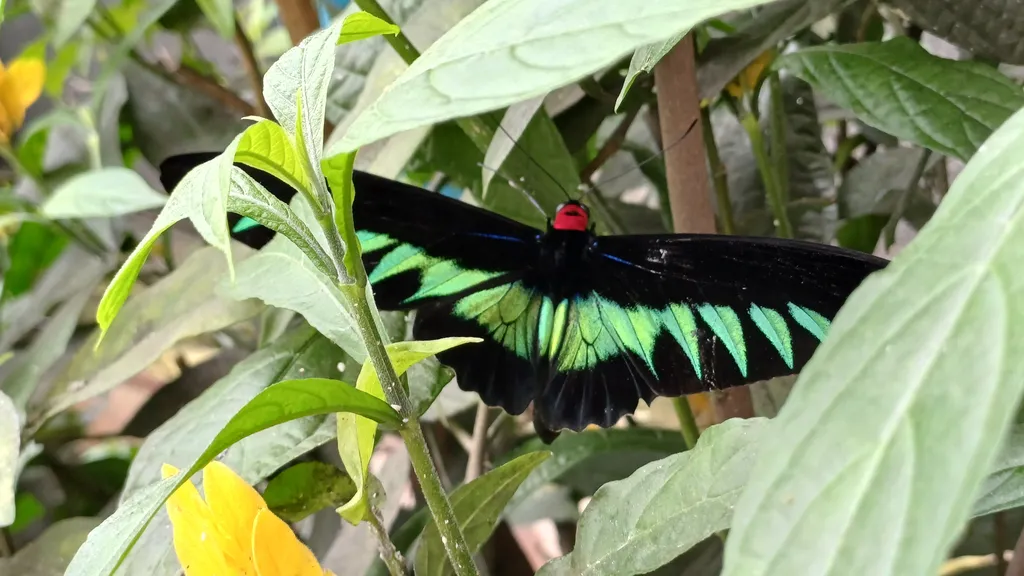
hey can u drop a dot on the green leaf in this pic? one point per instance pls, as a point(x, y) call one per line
point(299, 353)
point(338, 171)
point(111, 191)
point(249, 198)
point(34, 247)
point(512, 50)
point(356, 435)
point(896, 86)
point(306, 488)
point(268, 147)
point(477, 507)
point(576, 450)
point(636, 525)
point(116, 60)
point(50, 552)
point(10, 445)
point(28, 509)
point(545, 169)
point(724, 58)
point(108, 544)
point(644, 60)
point(1003, 489)
point(302, 75)
point(281, 275)
point(362, 25)
point(868, 188)
point(221, 13)
point(69, 18)
point(181, 305)
point(850, 466)
point(47, 347)
point(201, 196)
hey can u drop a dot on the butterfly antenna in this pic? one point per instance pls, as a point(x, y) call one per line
point(515, 186)
point(515, 144)
point(651, 159)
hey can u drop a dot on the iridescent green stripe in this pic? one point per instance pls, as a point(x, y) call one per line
point(558, 328)
point(545, 325)
point(680, 322)
point(812, 321)
point(774, 328)
point(372, 241)
point(726, 325)
point(244, 224)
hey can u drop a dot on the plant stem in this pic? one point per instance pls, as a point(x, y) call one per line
point(687, 423)
point(782, 226)
point(412, 434)
point(388, 552)
point(719, 176)
point(400, 42)
point(252, 68)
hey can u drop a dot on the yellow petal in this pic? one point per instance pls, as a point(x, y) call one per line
point(28, 76)
point(195, 535)
point(234, 504)
point(20, 86)
point(278, 552)
point(6, 129)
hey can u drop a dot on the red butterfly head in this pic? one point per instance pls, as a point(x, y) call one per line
point(571, 215)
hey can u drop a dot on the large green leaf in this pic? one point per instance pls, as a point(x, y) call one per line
point(180, 305)
point(26, 370)
point(724, 58)
point(478, 506)
point(112, 191)
point(507, 51)
point(576, 450)
point(295, 88)
point(1004, 487)
point(896, 86)
point(281, 275)
point(107, 545)
point(181, 439)
point(10, 444)
point(881, 437)
point(636, 525)
point(50, 552)
point(202, 197)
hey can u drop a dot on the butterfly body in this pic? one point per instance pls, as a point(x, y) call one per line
point(581, 325)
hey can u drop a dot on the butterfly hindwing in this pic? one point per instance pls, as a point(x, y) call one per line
point(675, 315)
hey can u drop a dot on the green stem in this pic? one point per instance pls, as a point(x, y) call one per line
point(718, 173)
point(388, 552)
point(782, 226)
point(400, 42)
point(370, 331)
point(687, 422)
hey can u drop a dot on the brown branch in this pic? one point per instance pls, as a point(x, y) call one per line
point(686, 171)
point(478, 447)
point(191, 78)
point(1016, 567)
point(252, 68)
point(299, 18)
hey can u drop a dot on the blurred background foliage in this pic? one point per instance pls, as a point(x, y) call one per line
point(128, 83)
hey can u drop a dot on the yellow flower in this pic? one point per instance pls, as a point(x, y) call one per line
point(20, 86)
point(233, 532)
point(747, 79)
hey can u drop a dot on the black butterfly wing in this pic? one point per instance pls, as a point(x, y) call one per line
point(460, 266)
point(679, 314)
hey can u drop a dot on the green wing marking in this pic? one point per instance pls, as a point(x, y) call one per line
point(510, 313)
point(726, 325)
point(438, 276)
point(774, 328)
point(244, 224)
point(812, 321)
point(581, 332)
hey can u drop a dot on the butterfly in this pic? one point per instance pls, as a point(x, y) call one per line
point(581, 325)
